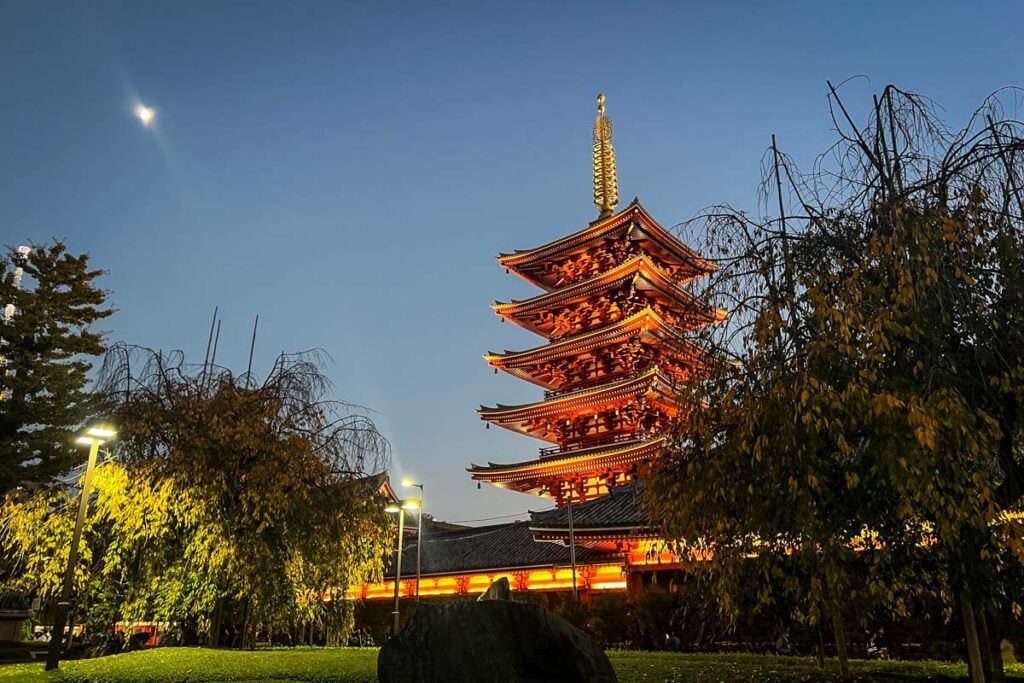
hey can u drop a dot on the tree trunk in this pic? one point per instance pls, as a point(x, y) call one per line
point(990, 642)
point(821, 647)
point(840, 633)
point(975, 669)
point(245, 625)
point(984, 645)
point(999, 673)
point(215, 624)
point(71, 628)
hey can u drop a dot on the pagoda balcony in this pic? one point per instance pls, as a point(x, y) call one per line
point(584, 444)
point(590, 383)
point(668, 381)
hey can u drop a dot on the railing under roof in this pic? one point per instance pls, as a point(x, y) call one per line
point(608, 439)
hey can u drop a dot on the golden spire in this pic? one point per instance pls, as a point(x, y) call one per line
point(606, 183)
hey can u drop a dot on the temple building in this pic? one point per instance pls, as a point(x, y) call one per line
point(614, 314)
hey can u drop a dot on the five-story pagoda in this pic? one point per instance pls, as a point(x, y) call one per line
point(615, 312)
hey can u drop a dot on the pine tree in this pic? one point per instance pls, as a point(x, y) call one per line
point(46, 344)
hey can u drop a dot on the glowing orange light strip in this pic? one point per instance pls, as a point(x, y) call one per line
point(588, 577)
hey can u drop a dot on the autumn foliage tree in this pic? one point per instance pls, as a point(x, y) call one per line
point(868, 429)
point(224, 499)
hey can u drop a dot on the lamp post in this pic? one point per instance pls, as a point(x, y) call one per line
point(92, 438)
point(400, 507)
point(409, 483)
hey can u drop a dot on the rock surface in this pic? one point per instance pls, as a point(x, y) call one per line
point(491, 641)
point(499, 590)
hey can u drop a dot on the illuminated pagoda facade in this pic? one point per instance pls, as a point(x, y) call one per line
point(614, 313)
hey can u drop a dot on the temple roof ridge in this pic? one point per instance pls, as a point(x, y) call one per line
point(628, 267)
point(491, 548)
point(523, 476)
point(571, 457)
point(570, 395)
point(600, 227)
point(600, 222)
point(576, 454)
point(645, 325)
point(619, 508)
point(638, 267)
point(621, 326)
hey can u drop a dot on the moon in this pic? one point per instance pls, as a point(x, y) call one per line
point(145, 115)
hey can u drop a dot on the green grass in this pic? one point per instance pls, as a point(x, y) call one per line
point(345, 665)
point(668, 667)
point(336, 665)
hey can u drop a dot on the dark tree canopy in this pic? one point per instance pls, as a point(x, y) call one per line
point(872, 414)
point(46, 345)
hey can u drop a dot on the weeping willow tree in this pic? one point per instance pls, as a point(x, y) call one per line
point(861, 440)
point(226, 499)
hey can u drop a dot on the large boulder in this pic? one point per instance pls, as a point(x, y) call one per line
point(499, 590)
point(491, 641)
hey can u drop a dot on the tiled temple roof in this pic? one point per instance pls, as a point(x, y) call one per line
point(600, 229)
point(582, 460)
point(620, 508)
point(489, 548)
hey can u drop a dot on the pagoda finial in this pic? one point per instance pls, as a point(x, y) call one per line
point(606, 183)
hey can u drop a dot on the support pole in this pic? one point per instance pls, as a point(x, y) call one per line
point(419, 544)
point(61, 616)
point(252, 348)
point(398, 568)
point(572, 547)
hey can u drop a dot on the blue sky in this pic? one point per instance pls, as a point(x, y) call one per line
point(348, 171)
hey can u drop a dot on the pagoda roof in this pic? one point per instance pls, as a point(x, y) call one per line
point(487, 548)
point(526, 476)
point(645, 323)
point(615, 516)
point(620, 508)
point(378, 484)
point(668, 244)
point(640, 269)
point(652, 382)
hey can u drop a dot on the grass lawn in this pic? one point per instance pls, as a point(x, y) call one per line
point(353, 665)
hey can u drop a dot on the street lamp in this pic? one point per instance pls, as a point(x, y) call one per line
point(409, 483)
point(92, 438)
point(400, 507)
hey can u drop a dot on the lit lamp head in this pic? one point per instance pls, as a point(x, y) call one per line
point(407, 504)
point(98, 433)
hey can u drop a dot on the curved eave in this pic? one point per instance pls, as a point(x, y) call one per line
point(652, 383)
point(646, 323)
point(599, 230)
point(519, 476)
point(640, 266)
